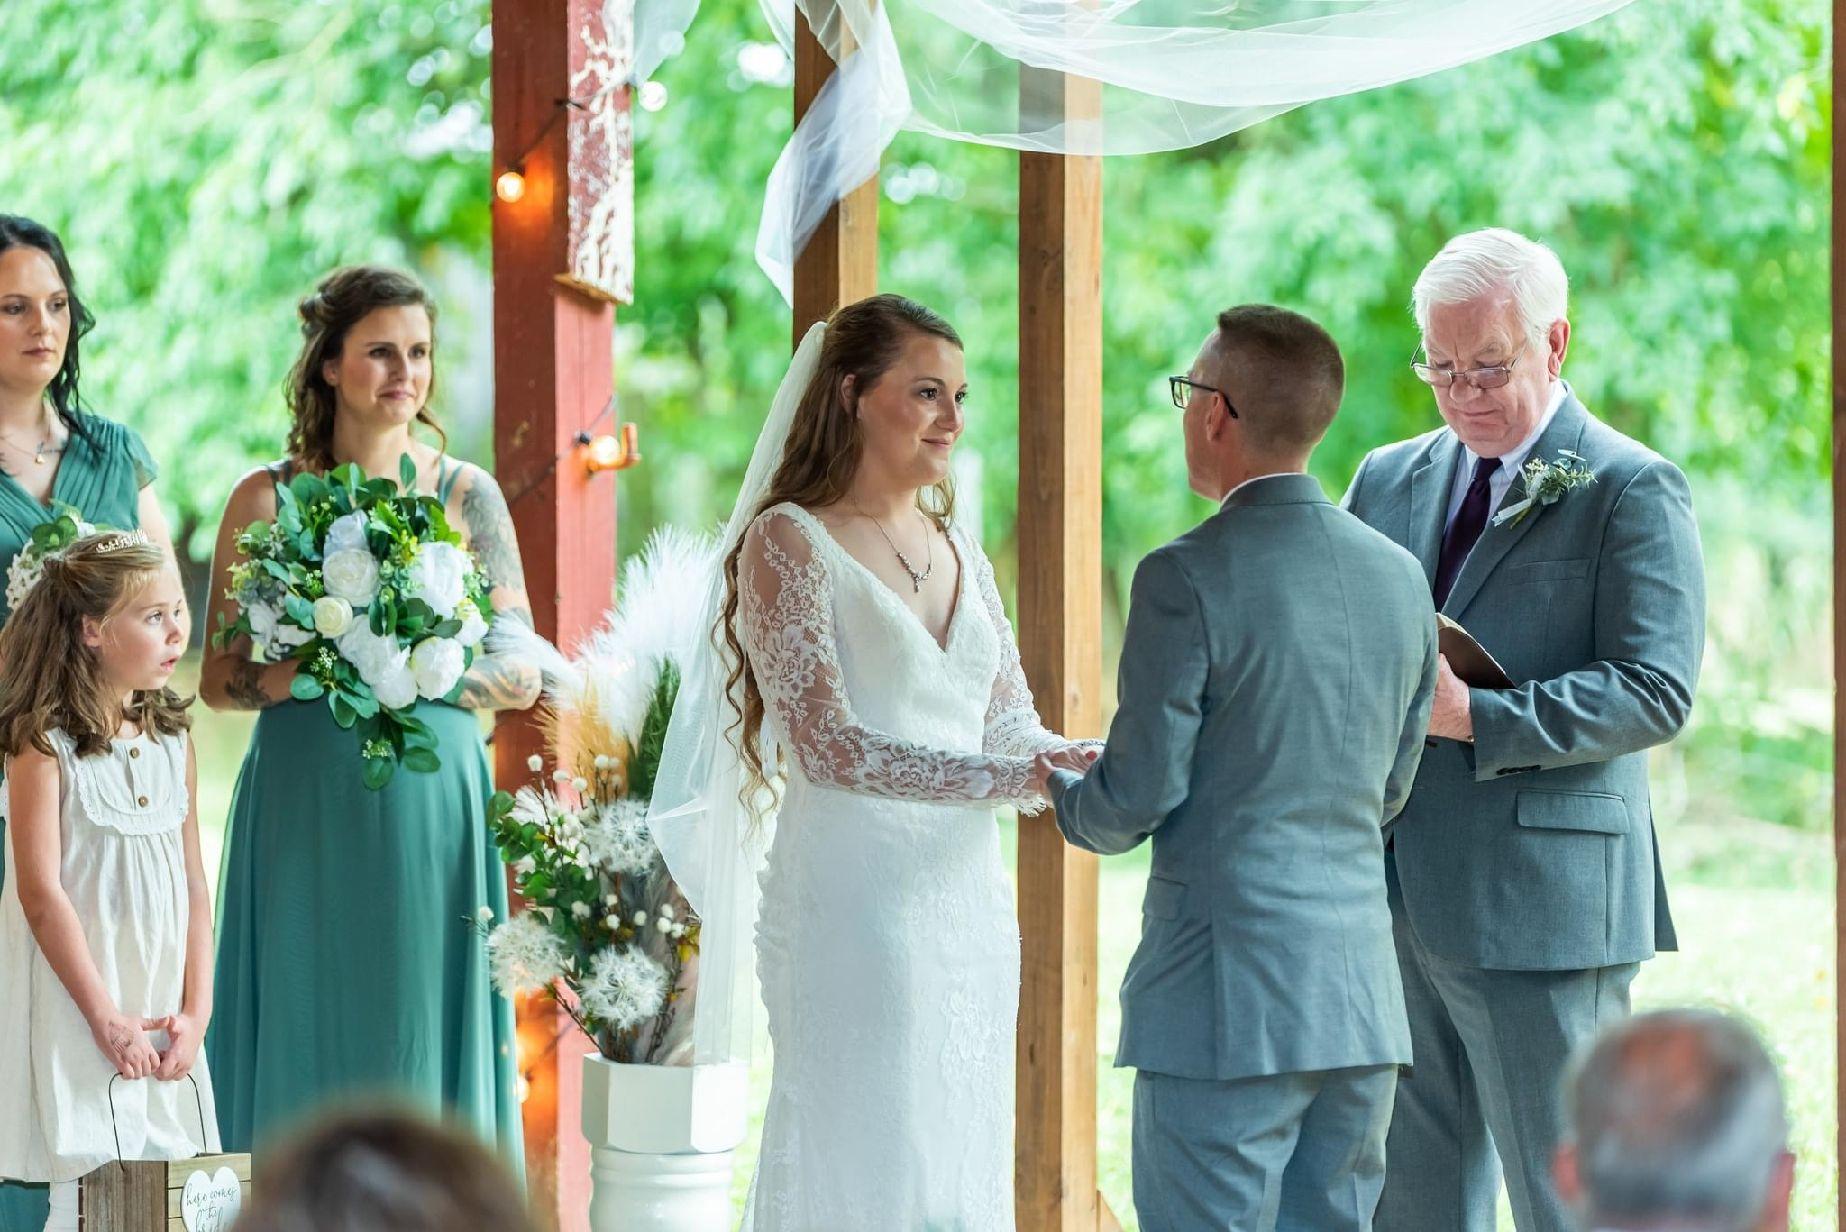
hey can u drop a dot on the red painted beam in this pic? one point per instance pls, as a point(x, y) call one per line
point(553, 374)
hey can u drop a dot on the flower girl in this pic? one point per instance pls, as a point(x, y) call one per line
point(105, 927)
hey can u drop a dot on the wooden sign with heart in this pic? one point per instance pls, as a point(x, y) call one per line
point(210, 1202)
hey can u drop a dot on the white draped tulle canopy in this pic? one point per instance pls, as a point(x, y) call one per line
point(1137, 76)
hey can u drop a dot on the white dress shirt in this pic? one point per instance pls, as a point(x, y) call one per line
point(1510, 461)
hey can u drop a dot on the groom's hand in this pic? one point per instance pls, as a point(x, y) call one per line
point(1075, 758)
point(1450, 717)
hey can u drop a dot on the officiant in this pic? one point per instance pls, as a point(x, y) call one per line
point(1524, 872)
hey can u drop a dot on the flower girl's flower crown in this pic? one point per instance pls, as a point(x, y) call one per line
point(53, 542)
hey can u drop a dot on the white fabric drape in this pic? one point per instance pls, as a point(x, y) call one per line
point(1148, 75)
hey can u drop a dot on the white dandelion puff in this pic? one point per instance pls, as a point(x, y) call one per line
point(619, 840)
point(524, 956)
point(625, 987)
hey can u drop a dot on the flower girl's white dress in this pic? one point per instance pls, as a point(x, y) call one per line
point(888, 947)
point(125, 872)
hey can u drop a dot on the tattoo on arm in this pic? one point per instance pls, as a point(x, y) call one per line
point(499, 684)
point(245, 686)
point(495, 682)
point(490, 533)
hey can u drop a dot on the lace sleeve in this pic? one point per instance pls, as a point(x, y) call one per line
point(787, 619)
point(1013, 726)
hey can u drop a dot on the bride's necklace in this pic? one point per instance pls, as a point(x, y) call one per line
point(929, 566)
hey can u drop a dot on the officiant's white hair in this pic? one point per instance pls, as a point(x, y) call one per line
point(1495, 261)
point(1678, 1120)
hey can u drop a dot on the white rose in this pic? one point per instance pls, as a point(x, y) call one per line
point(437, 575)
point(351, 575)
point(274, 636)
point(370, 653)
point(473, 627)
point(332, 616)
point(347, 534)
point(263, 619)
point(396, 686)
point(535, 763)
point(436, 664)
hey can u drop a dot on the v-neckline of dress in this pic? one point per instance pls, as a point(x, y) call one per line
point(947, 642)
point(42, 511)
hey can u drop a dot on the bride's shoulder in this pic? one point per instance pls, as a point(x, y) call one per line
point(785, 529)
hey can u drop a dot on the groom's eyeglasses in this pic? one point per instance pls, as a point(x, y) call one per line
point(1182, 387)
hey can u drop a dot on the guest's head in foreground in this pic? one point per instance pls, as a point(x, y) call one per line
point(1491, 310)
point(384, 1171)
point(1675, 1123)
point(366, 368)
point(1258, 398)
point(93, 645)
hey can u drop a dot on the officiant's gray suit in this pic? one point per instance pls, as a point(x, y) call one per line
point(1524, 873)
point(1276, 679)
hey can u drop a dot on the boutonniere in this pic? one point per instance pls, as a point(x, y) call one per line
point(1545, 483)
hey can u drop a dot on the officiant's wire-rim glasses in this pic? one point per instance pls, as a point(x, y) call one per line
point(1481, 378)
point(1182, 387)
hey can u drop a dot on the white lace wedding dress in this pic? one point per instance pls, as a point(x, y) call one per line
point(887, 944)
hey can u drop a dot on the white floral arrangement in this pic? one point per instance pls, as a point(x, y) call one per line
point(48, 539)
point(367, 588)
point(604, 931)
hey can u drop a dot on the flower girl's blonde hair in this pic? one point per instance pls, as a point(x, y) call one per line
point(52, 680)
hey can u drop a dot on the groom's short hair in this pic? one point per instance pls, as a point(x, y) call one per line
point(1284, 375)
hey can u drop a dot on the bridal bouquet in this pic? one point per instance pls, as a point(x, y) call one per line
point(605, 932)
point(363, 584)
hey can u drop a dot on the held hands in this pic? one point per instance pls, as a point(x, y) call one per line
point(1072, 757)
point(124, 1043)
point(184, 1035)
point(1449, 717)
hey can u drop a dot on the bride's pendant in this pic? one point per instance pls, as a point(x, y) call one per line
point(916, 579)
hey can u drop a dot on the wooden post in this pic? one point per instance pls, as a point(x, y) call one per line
point(553, 372)
point(840, 263)
point(1060, 634)
point(1839, 602)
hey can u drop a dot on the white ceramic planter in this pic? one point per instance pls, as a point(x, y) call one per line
point(662, 1143)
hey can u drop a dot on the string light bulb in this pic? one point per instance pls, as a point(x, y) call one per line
point(609, 452)
point(511, 186)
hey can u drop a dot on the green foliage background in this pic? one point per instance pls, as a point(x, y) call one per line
point(207, 160)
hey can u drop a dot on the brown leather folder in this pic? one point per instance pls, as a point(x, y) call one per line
point(1468, 658)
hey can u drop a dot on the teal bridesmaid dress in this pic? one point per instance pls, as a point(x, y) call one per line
point(349, 967)
point(104, 467)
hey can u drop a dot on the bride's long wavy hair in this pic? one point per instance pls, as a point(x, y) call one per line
point(863, 340)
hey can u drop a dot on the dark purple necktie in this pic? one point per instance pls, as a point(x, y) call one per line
point(1470, 521)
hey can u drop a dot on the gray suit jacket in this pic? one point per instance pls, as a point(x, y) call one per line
point(1534, 848)
point(1276, 679)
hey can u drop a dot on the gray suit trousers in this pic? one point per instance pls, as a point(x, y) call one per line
point(1298, 1152)
point(1490, 1049)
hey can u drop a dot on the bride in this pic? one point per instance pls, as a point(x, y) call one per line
point(865, 663)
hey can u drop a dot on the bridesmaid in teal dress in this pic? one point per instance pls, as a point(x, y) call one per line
point(347, 964)
point(53, 454)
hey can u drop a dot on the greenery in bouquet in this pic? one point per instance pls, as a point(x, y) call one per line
point(364, 585)
point(47, 538)
point(604, 931)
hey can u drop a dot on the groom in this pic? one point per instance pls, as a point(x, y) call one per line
point(1525, 881)
point(1276, 680)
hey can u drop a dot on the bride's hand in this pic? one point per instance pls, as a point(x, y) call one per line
point(1042, 767)
point(1076, 758)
